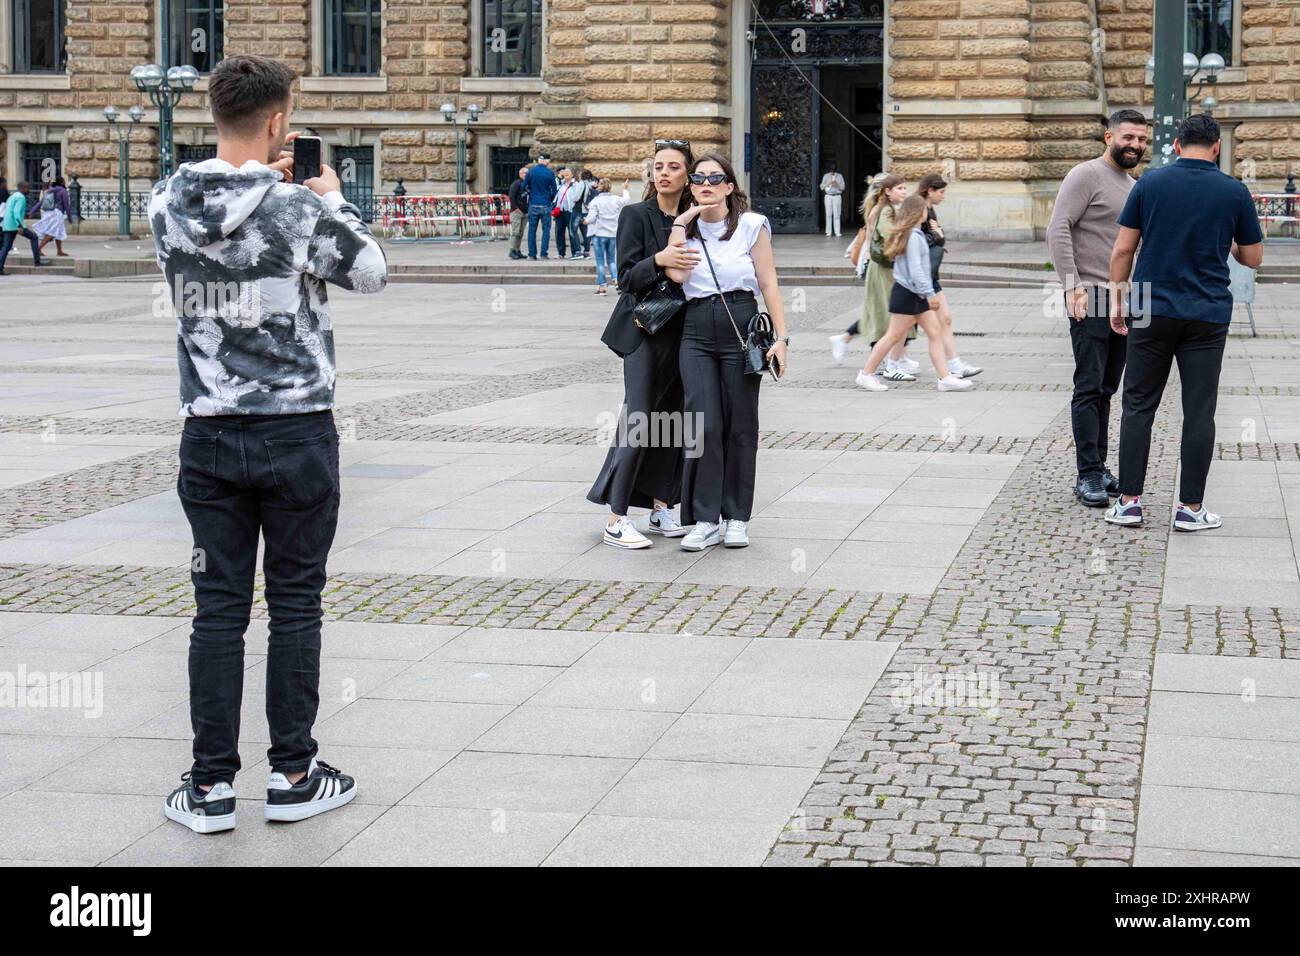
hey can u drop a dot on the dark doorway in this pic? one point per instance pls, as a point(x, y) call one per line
point(851, 137)
point(816, 93)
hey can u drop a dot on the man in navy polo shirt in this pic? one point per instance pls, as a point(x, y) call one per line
point(1189, 217)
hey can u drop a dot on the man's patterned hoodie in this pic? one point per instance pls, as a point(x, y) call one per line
point(246, 257)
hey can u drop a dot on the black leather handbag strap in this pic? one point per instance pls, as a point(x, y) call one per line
point(704, 244)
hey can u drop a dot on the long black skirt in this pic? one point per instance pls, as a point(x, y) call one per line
point(636, 471)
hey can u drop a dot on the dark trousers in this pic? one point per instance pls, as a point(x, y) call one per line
point(1197, 347)
point(562, 233)
point(636, 473)
point(719, 482)
point(10, 236)
point(242, 476)
point(1098, 368)
point(538, 214)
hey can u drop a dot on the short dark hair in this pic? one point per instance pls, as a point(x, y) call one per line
point(1120, 117)
point(1201, 129)
point(244, 90)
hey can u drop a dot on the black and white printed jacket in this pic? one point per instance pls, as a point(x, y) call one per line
point(246, 257)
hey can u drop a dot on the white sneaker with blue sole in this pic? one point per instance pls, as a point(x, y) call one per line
point(1125, 514)
point(1185, 519)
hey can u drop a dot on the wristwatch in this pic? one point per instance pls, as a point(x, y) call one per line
point(785, 339)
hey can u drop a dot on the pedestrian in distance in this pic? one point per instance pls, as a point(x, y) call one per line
point(932, 188)
point(56, 211)
point(912, 299)
point(13, 225)
point(602, 225)
point(518, 198)
point(541, 186)
point(832, 188)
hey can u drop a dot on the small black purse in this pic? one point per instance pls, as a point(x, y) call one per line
point(657, 307)
point(759, 335)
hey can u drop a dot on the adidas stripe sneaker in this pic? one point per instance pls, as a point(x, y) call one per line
point(209, 812)
point(324, 788)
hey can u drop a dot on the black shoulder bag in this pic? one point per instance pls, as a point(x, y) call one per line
point(657, 307)
point(759, 337)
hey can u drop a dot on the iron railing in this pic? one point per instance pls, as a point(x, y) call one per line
point(103, 204)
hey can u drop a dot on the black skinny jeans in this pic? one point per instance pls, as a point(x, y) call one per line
point(1197, 347)
point(242, 476)
point(1098, 368)
point(719, 483)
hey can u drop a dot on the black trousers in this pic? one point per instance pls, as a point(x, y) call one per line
point(242, 476)
point(1197, 347)
point(562, 222)
point(1098, 367)
point(636, 472)
point(718, 482)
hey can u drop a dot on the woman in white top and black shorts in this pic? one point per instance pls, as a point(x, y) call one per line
point(718, 482)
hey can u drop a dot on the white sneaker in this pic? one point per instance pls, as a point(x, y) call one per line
point(968, 370)
point(737, 535)
point(839, 348)
point(623, 534)
point(323, 788)
point(896, 374)
point(871, 383)
point(1185, 519)
point(908, 365)
point(662, 522)
point(210, 812)
point(705, 534)
point(951, 383)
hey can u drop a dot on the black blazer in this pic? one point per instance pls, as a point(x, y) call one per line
point(641, 234)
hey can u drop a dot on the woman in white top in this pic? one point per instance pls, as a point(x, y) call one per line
point(602, 228)
point(718, 474)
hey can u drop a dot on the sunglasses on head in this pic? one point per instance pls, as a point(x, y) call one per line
point(672, 144)
point(713, 179)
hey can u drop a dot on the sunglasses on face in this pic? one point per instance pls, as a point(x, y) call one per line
point(713, 179)
point(672, 144)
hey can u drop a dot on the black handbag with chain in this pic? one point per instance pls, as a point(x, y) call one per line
point(657, 307)
point(759, 336)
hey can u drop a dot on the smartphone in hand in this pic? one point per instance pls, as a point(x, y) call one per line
point(306, 158)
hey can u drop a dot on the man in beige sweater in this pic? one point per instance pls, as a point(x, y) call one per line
point(1080, 236)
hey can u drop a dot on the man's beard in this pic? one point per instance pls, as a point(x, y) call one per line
point(1126, 157)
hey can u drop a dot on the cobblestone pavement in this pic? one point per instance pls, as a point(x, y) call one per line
point(1016, 696)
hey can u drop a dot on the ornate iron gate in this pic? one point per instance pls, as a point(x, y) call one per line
point(792, 41)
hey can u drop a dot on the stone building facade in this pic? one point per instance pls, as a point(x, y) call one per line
point(1002, 96)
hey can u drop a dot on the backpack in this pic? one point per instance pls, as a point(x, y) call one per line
point(47, 201)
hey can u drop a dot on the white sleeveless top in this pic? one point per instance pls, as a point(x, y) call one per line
point(731, 259)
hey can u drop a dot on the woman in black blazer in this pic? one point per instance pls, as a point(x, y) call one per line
point(636, 473)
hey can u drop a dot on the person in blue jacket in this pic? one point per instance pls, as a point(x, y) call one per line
point(541, 186)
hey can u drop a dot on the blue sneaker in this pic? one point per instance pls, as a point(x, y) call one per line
point(1125, 514)
point(1185, 519)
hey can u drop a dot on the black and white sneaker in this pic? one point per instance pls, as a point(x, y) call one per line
point(209, 812)
point(324, 788)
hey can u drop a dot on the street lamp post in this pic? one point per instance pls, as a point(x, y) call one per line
point(462, 130)
point(1168, 31)
point(164, 91)
point(1172, 69)
point(123, 163)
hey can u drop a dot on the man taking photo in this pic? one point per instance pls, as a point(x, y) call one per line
point(1189, 217)
point(247, 255)
point(1080, 237)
